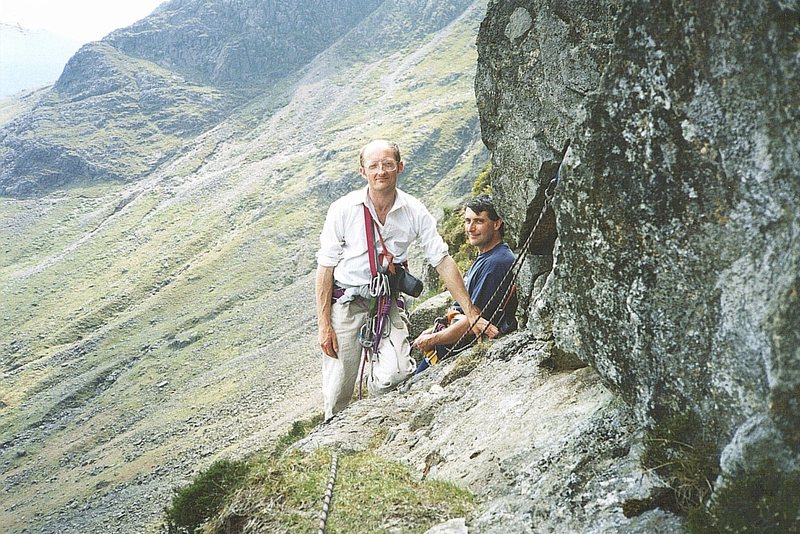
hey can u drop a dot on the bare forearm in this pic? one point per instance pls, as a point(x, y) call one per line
point(324, 294)
point(324, 291)
point(448, 271)
point(452, 333)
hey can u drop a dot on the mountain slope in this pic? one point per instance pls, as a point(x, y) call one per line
point(152, 326)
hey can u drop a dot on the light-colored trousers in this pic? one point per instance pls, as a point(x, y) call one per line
point(387, 368)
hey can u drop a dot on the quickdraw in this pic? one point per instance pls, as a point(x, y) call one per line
point(379, 285)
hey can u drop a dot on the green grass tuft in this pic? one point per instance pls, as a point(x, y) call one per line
point(680, 449)
point(194, 504)
point(208, 494)
point(682, 452)
point(283, 492)
point(299, 430)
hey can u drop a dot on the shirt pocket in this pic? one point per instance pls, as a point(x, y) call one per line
point(398, 240)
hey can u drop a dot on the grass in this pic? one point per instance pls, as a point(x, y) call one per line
point(680, 449)
point(281, 491)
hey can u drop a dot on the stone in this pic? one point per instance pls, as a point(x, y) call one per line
point(678, 207)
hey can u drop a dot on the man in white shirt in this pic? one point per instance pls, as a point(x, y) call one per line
point(344, 276)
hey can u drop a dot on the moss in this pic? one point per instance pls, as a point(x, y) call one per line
point(466, 363)
point(761, 502)
point(681, 450)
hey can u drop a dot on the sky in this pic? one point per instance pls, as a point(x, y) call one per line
point(80, 20)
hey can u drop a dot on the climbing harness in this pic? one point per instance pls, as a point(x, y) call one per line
point(514, 270)
point(326, 501)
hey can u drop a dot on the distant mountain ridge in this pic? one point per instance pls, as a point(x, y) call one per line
point(181, 70)
point(250, 44)
point(30, 59)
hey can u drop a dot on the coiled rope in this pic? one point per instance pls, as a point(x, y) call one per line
point(326, 501)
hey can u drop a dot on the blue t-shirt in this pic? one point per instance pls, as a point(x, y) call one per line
point(483, 280)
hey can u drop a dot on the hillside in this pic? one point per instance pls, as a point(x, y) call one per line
point(156, 297)
point(160, 219)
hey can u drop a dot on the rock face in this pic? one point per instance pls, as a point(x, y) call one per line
point(251, 42)
point(677, 264)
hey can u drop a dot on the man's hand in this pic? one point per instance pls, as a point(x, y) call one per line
point(448, 270)
point(328, 342)
point(482, 326)
point(425, 341)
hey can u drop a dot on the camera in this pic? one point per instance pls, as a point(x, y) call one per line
point(404, 281)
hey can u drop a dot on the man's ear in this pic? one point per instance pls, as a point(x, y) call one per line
point(400, 166)
point(497, 224)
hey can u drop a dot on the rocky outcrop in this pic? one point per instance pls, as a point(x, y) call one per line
point(543, 449)
point(676, 267)
point(249, 43)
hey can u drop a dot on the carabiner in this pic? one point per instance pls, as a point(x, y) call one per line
point(379, 285)
point(365, 336)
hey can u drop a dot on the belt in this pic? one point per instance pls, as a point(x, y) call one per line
point(337, 293)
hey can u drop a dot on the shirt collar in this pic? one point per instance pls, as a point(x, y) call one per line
point(362, 198)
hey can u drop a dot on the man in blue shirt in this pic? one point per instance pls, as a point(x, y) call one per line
point(486, 283)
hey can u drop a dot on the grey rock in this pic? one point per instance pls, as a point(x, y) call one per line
point(424, 313)
point(542, 451)
point(676, 270)
point(454, 526)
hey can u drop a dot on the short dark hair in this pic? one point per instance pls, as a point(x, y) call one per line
point(395, 148)
point(485, 203)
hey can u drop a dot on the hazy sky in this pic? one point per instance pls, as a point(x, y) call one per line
point(82, 20)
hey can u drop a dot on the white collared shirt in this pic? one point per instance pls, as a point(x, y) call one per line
point(343, 241)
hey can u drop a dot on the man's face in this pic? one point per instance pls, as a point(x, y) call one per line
point(482, 232)
point(380, 168)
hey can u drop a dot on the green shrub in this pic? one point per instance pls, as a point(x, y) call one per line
point(482, 184)
point(194, 504)
point(206, 496)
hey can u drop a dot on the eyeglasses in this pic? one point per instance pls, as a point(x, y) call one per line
point(388, 165)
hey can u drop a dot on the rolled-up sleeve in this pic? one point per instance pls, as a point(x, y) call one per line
point(331, 239)
point(433, 246)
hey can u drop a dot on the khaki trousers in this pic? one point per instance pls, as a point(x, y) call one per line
point(387, 368)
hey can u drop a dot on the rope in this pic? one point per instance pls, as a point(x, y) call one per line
point(515, 268)
point(326, 501)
